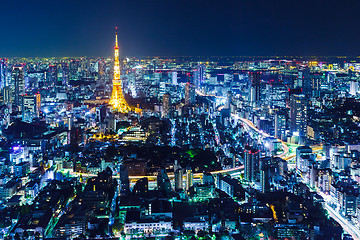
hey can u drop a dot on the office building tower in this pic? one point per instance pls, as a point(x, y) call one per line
point(265, 165)
point(251, 163)
point(301, 151)
point(2, 73)
point(304, 81)
point(31, 107)
point(199, 76)
point(228, 100)
point(19, 84)
point(124, 183)
point(166, 105)
point(354, 86)
point(7, 95)
point(178, 179)
point(174, 78)
point(255, 80)
point(280, 124)
point(189, 94)
point(298, 114)
point(189, 178)
point(317, 81)
point(312, 174)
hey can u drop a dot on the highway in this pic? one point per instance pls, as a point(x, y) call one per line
point(231, 171)
point(252, 126)
point(345, 224)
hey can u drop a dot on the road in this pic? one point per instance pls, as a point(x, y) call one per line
point(345, 224)
point(252, 126)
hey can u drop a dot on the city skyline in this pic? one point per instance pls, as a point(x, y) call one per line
point(242, 121)
point(173, 28)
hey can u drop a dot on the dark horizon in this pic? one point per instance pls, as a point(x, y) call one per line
point(175, 28)
point(329, 58)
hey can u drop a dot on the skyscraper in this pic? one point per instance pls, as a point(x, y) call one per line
point(178, 179)
point(354, 86)
point(303, 81)
point(298, 114)
point(174, 78)
point(265, 174)
point(31, 106)
point(166, 105)
point(7, 95)
point(251, 163)
point(117, 98)
point(124, 184)
point(301, 151)
point(19, 84)
point(2, 73)
point(280, 124)
point(228, 99)
point(255, 80)
point(189, 178)
point(189, 94)
point(199, 76)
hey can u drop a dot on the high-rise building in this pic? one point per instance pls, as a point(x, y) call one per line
point(7, 95)
point(298, 114)
point(2, 74)
point(117, 98)
point(317, 80)
point(255, 80)
point(19, 84)
point(31, 107)
point(228, 100)
point(124, 183)
point(166, 105)
point(304, 81)
point(251, 163)
point(174, 78)
point(280, 124)
point(265, 174)
point(189, 178)
point(199, 76)
point(178, 179)
point(189, 94)
point(301, 151)
point(354, 86)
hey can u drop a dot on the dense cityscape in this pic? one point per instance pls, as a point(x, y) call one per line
point(180, 148)
point(179, 120)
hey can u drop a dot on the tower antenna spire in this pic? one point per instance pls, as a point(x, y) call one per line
point(116, 38)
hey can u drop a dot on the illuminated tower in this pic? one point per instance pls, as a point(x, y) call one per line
point(117, 98)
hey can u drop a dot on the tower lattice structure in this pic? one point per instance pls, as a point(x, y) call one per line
point(117, 100)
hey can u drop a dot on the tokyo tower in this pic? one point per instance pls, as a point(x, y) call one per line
point(117, 100)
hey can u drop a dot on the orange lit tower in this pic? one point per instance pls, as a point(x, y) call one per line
point(117, 100)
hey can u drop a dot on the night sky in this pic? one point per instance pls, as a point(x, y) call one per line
point(49, 28)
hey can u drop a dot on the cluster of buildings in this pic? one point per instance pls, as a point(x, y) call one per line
point(234, 147)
